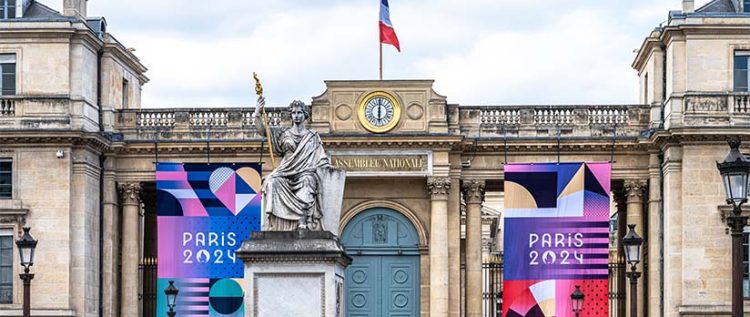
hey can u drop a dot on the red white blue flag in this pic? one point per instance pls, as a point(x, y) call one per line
point(387, 33)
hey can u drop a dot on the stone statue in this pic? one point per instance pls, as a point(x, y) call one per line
point(304, 185)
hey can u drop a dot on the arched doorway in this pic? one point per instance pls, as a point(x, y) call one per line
point(383, 279)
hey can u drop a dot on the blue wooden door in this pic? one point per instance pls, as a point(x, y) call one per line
point(383, 286)
point(383, 279)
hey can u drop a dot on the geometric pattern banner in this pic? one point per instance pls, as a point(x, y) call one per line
point(204, 212)
point(556, 237)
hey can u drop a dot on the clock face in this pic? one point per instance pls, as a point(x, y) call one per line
point(379, 112)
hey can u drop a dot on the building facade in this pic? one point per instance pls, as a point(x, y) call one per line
point(77, 155)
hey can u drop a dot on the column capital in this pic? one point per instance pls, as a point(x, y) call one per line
point(473, 190)
point(439, 187)
point(130, 193)
point(635, 188)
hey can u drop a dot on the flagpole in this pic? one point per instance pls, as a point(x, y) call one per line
point(381, 60)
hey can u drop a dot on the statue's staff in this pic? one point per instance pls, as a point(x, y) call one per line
point(259, 92)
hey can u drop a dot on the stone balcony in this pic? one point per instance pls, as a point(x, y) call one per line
point(37, 113)
point(707, 109)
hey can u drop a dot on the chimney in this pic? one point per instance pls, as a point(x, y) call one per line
point(75, 8)
point(688, 6)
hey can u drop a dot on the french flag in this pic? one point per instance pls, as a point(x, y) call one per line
point(387, 33)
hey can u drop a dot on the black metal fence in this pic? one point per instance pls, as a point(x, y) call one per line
point(617, 288)
point(492, 293)
point(147, 295)
point(492, 271)
point(492, 290)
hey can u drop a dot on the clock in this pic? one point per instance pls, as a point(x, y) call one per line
point(379, 112)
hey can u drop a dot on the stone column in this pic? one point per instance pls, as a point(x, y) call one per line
point(654, 234)
point(634, 190)
point(473, 191)
point(131, 204)
point(439, 189)
point(454, 246)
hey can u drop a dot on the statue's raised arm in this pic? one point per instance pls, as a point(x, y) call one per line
point(260, 126)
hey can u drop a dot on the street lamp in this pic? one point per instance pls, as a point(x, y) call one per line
point(576, 298)
point(26, 247)
point(632, 242)
point(734, 172)
point(171, 292)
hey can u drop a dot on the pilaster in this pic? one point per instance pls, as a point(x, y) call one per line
point(655, 241)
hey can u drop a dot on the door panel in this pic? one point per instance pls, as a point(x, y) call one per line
point(383, 286)
point(400, 286)
point(361, 287)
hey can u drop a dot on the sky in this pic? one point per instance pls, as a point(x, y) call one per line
point(479, 52)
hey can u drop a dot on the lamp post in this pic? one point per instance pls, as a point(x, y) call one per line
point(171, 292)
point(576, 299)
point(26, 246)
point(734, 172)
point(632, 242)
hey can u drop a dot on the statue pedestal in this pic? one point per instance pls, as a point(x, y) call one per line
point(294, 273)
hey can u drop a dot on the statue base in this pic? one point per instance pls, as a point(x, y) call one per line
point(294, 273)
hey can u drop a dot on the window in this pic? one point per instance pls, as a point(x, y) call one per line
point(741, 70)
point(7, 74)
point(746, 5)
point(6, 179)
point(8, 9)
point(6, 266)
point(125, 93)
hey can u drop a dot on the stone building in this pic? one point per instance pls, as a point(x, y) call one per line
point(77, 155)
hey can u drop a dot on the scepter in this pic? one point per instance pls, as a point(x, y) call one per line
point(259, 92)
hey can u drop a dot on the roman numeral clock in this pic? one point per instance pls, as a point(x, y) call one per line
point(379, 112)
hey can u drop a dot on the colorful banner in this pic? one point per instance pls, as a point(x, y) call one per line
point(205, 211)
point(556, 237)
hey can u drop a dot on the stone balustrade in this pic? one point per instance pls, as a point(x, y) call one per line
point(704, 109)
point(40, 112)
point(549, 121)
point(7, 107)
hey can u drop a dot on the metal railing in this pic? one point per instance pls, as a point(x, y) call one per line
point(616, 293)
point(147, 296)
point(492, 289)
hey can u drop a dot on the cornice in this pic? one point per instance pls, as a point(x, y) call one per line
point(94, 141)
point(662, 138)
point(650, 44)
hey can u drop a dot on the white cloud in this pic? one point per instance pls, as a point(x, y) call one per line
point(478, 51)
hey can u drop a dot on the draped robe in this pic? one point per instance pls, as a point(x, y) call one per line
point(291, 191)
